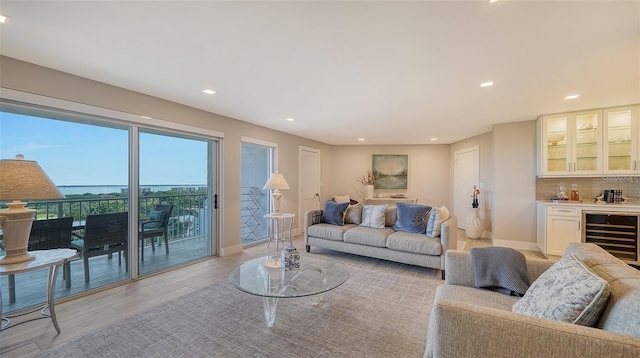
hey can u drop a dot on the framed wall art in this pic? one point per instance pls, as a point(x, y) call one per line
point(391, 171)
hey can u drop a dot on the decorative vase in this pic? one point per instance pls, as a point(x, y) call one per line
point(475, 224)
point(369, 191)
point(290, 258)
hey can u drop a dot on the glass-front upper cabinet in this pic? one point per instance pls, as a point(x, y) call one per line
point(620, 150)
point(570, 144)
point(556, 153)
point(587, 143)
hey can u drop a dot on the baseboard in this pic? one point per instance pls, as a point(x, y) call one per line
point(518, 245)
point(226, 251)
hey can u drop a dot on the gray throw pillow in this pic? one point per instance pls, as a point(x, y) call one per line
point(333, 212)
point(567, 292)
point(411, 218)
point(353, 214)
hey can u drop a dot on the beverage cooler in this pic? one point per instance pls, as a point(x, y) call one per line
point(616, 232)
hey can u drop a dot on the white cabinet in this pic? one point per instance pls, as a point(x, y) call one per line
point(558, 226)
point(570, 144)
point(620, 141)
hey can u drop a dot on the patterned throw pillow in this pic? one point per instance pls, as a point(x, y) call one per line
point(437, 217)
point(567, 292)
point(333, 212)
point(373, 216)
point(411, 217)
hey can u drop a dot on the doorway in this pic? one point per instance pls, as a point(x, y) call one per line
point(466, 174)
point(309, 181)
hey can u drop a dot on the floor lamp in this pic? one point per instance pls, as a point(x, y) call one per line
point(21, 180)
point(276, 183)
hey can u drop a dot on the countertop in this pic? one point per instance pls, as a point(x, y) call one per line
point(590, 205)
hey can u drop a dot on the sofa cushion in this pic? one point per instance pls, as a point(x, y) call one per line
point(373, 216)
point(333, 212)
point(412, 217)
point(413, 242)
point(368, 236)
point(436, 218)
point(623, 308)
point(353, 214)
point(568, 292)
point(329, 231)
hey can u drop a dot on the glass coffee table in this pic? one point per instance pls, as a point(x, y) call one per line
point(263, 277)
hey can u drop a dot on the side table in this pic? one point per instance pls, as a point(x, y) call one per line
point(279, 231)
point(43, 258)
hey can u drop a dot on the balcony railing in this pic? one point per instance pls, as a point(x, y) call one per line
point(188, 218)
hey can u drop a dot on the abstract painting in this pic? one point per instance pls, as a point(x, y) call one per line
point(391, 170)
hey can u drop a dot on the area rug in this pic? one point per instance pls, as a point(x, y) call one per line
point(373, 314)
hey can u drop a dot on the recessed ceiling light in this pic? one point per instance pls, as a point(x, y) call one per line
point(486, 84)
point(572, 96)
point(3, 19)
point(360, 139)
point(290, 119)
point(434, 138)
point(492, 1)
point(209, 91)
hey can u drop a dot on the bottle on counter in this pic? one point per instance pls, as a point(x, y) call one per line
point(575, 196)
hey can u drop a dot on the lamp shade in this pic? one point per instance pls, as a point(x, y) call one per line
point(276, 182)
point(25, 180)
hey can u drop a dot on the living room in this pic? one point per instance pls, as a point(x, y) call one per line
point(507, 145)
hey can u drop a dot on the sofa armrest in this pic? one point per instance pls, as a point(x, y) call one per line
point(311, 217)
point(465, 330)
point(459, 268)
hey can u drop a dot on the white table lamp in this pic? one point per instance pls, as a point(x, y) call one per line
point(21, 180)
point(276, 183)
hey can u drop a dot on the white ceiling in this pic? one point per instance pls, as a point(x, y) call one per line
point(390, 72)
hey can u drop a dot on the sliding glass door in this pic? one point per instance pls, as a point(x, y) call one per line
point(168, 215)
point(174, 200)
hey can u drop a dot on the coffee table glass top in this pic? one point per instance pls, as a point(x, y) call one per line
point(263, 277)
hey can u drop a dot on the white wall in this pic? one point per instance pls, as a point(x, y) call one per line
point(514, 187)
point(428, 171)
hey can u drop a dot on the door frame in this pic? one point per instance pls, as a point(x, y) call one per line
point(300, 175)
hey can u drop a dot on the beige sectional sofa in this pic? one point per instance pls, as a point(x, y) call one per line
point(472, 322)
point(383, 243)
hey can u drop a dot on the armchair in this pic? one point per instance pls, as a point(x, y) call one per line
point(104, 234)
point(155, 225)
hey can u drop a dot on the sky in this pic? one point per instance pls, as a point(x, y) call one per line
point(81, 154)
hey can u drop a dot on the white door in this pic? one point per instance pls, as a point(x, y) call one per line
point(466, 174)
point(309, 181)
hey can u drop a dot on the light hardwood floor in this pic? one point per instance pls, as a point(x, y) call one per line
point(90, 312)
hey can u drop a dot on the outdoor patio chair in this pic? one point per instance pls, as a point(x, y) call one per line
point(155, 225)
point(104, 234)
point(45, 235)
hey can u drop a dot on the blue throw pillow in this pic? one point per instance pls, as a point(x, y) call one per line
point(412, 217)
point(333, 212)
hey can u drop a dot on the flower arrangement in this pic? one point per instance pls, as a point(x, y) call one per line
point(476, 192)
point(368, 179)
